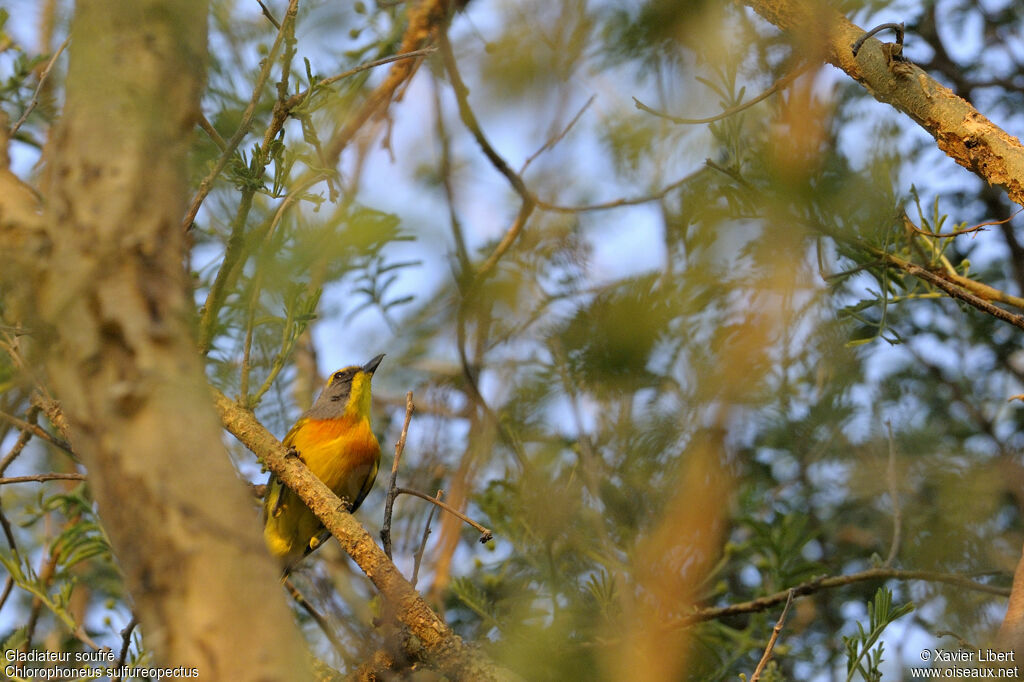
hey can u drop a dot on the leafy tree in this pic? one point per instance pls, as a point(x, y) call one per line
point(711, 343)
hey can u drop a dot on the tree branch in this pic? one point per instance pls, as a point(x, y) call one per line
point(964, 134)
point(819, 584)
point(445, 649)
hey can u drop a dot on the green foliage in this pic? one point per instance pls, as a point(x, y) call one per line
point(864, 650)
point(671, 401)
point(78, 553)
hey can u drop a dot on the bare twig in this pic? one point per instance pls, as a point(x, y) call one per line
point(881, 27)
point(470, 374)
point(824, 583)
point(530, 199)
point(894, 495)
point(966, 230)
point(775, 87)
point(269, 16)
point(22, 441)
point(956, 290)
point(8, 532)
point(208, 128)
point(771, 641)
point(413, 54)
point(126, 640)
point(8, 586)
point(461, 253)
point(34, 102)
point(485, 534)
point(509, 239)
point(418, 556)
point(617, 203)
point(472, 124)
point(42, 478)
point(555, 139)
point(385, 531)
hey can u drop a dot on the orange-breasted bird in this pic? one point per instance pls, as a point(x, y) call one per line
point(335, 440)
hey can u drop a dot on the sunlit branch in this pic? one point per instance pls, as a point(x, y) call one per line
point(756, 675)
point(392, 493)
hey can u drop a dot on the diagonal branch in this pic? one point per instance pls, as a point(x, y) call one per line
point(963, 133)
point(446, 649)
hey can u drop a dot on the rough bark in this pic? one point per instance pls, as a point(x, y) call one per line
point(963, 133)
point(98, 277)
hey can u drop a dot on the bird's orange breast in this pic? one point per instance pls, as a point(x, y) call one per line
point(333, 449)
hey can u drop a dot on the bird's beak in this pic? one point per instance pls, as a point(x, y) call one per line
point(371, 366)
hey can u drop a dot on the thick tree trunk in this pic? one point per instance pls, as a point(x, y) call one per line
point(111, 320)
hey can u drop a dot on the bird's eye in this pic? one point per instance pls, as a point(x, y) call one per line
point(338, 376)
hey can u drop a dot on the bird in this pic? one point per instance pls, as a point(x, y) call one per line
point(335, 440)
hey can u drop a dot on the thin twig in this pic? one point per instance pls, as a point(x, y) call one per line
point(37, 431)
point(8, 532)
point(824, 583)
point(269, 16)
point(771, 641)
point(485, 534)
point(617, 203)
point(894, 495)
point(881, 27)
point(509, 239)
point(472, 124)
point(39, 86)
point(555, 139)
point(8, 586)
point(126, 640)
point(385, 531)
point(956, 291)
point(208, 128)
point(41, 478)
point(444, 140)
point(530, 200)
point(23, 439)
point(470, 374)
point(414, 54)
point(418, 556)
point(775, 87)
point(966, 230)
